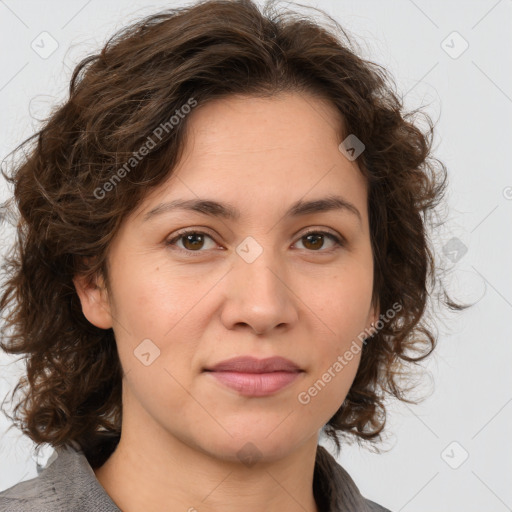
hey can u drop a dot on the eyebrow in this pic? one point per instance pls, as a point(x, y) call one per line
point(227, 211)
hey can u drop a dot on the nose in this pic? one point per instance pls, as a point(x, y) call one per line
point(258, 296)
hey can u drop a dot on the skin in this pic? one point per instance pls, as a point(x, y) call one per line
point(300, 298)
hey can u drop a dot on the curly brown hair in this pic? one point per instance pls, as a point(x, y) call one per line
point(117, 97)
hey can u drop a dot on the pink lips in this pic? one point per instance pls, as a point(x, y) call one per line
point(255, 377)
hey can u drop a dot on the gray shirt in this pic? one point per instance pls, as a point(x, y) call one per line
point(68, 484)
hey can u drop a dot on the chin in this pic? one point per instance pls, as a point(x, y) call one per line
point(258, 443)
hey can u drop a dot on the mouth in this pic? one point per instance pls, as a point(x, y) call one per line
point(249, 364)
point(255, 377)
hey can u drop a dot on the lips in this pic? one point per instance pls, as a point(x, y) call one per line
point(248, 364)
point(253, 377)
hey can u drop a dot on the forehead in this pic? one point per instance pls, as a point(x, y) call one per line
point(263, 150)
point(268, 122)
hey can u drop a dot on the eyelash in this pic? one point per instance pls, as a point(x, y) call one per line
point(340, 242)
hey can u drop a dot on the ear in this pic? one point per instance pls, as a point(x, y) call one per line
point(373, 317)
point(94, 299)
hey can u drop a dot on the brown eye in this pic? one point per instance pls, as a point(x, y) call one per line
point(192, 241)
point(315, 240)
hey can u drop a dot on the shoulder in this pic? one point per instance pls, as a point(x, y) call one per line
point(66, 484)
point(33, 495)
point(345, 494)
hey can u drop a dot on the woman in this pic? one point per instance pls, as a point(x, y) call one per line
point(222, 252)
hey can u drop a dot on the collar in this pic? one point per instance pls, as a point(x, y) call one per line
point(334, 489)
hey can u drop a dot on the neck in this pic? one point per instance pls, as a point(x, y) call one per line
point(155, 471)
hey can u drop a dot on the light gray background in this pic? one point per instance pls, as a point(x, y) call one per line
point(469, 95)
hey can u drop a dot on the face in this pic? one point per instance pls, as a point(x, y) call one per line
point(191, 288)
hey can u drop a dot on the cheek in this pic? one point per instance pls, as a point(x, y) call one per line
point(151, 301)
point(345, 302)
point(337, 352)
point(331, 379)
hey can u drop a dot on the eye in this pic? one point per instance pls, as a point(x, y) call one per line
point(315, 240)
point(193, 241)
